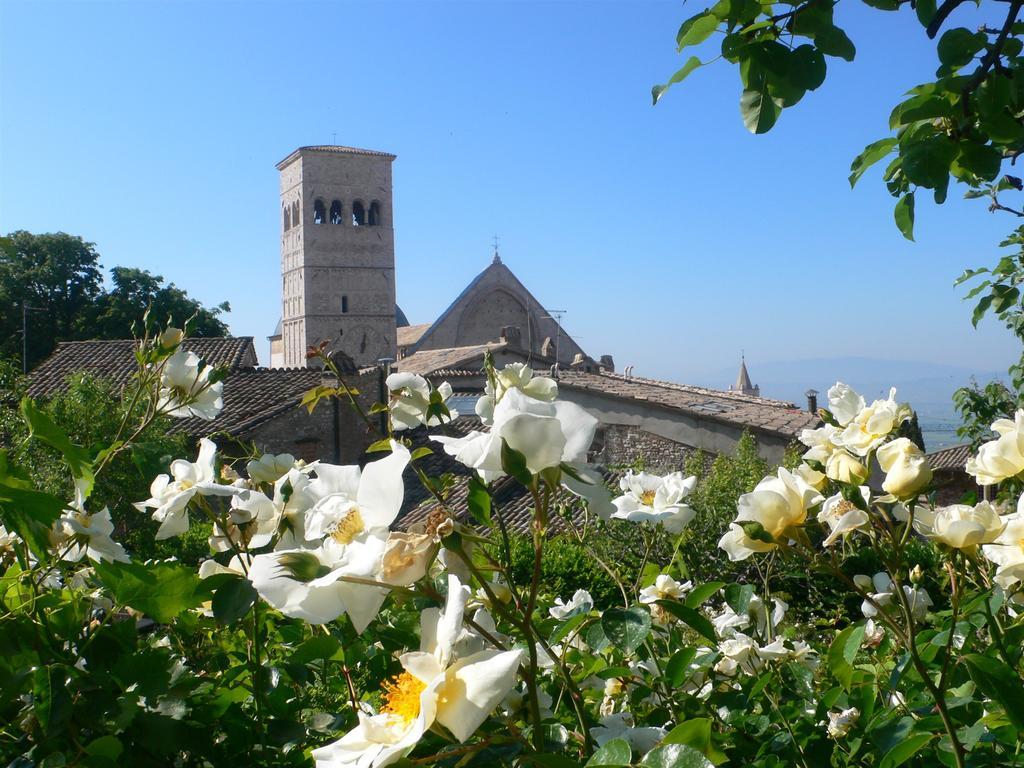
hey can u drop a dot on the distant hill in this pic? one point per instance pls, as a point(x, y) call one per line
point(928, 387)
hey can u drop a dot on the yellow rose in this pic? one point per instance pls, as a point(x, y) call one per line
point(905, 466)
point(845, 468)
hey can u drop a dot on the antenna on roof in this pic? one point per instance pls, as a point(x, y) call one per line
point(334, 138)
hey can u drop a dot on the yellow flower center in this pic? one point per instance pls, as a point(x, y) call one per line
point(647, 498)
point(84, 519)
point(843, 507)
point(402, 696)
point(350, 526)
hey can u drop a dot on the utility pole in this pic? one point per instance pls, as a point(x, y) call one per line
point(25, 309)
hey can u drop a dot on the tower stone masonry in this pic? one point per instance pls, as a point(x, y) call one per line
point(337, 255)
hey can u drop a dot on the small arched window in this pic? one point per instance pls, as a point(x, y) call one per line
point(318, 211)
point(295, 214)
point(344, 305)
point(358, 214)
point(335, 212)
point(374, 214)
point(287, 218)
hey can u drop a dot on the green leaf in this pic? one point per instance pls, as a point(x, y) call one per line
point(690, 617)
point(738, 596)
point(701, 594)
point(678, 667)
point(905, 750)
point(51, 698)
point(925, 11)
point(316, 647)
point(159, 590)
point(514, 464)
point(807, 67)
point(924, 107)
point(968, 274)
point(42, 427)
point(379, 445)
point(832, 41)
point(675, 756)
point(691, 64)
point(927, 162)
point(958, 46)
point(1000, 683)
point(595, 637)
point(479, 501)
point(233, 600)
point(626, 628)
point(29, 513)
point(696, 29)
point(109, 747)
point(420, 452)
point(614, 753)
point(759, 110)
point(695, 732)
point(904, 215)
point(980, 309)
point(843, 651)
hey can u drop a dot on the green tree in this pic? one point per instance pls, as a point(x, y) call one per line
point(134, 290)
point(60, 278)
point(964, 126)
point(56, 273)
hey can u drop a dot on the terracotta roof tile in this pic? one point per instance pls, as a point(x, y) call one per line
point(252, 397)
point(115, 359)
point(427, 361)
point(955, 457)
point(410, 334)
point(717, 405)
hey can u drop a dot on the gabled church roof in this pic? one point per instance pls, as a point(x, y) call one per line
point(497, 273)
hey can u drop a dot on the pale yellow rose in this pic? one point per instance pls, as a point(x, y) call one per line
point(1002, 458)
point(845, 468)
point(962, 526)
point(905, 466)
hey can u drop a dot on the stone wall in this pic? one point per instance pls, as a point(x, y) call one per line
point(622, 444)
point(674, 426)
point(334, 432)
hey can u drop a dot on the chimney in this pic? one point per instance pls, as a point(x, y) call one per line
point(607, 363)
point(512, 336)
point(812, 400)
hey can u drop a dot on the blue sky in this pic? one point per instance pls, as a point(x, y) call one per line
point(672, 237)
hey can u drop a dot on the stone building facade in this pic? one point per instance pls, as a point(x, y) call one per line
point(337, 255)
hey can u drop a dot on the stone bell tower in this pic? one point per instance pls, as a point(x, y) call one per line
point(337, 255)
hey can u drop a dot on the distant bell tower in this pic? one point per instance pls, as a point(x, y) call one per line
point(743, 384)
point(337, 255)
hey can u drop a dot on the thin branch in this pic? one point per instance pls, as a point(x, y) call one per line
point(941, 14)
point(991, 56)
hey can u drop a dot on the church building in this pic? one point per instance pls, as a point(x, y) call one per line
point(338, 274)
point(338, 286)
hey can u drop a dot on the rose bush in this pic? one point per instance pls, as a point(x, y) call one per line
point(316, 634)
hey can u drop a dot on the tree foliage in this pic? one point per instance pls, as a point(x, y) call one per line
point(965, 126)
point(60, 278)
